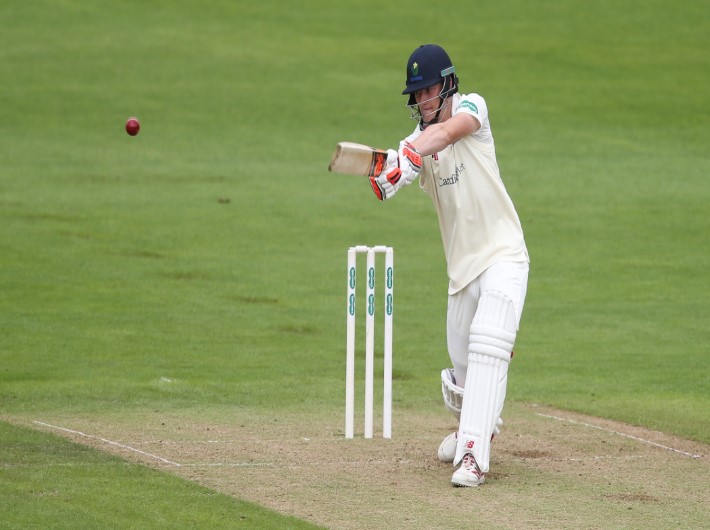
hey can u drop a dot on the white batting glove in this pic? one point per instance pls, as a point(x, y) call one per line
point(392, 161)
point(386, 184)
point(410, 162)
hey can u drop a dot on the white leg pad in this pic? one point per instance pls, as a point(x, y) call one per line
point(453, 398)
point(491, 341)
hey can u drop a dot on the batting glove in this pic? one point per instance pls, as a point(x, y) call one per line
point(387, 184)
point(410, 162)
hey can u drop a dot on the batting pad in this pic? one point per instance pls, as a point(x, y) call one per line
point(491, 340)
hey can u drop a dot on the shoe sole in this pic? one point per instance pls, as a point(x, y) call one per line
point(465, 483)
point(461, 484)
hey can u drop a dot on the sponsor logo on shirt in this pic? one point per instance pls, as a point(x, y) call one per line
point(465, 104)
point(453, 178)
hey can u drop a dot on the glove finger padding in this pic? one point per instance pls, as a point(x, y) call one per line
point(382, 186)
point(394, 176)
point(386, 184)
point(392, 160)
point(409, 153)
point(377, 189)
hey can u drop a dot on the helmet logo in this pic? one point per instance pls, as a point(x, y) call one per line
point(415, 68)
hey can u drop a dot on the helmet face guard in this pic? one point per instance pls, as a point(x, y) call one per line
point(447, 76)
point(428, 65)
point(448, 88)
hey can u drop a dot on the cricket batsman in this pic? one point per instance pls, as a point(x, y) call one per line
point(453, 153)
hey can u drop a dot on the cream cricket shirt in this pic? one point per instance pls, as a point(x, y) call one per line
point(477, 220)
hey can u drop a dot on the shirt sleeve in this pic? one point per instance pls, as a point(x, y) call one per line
point(474, 105)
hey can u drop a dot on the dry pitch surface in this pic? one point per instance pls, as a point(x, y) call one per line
point(549, 469)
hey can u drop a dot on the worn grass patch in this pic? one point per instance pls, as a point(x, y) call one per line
point(549, 468)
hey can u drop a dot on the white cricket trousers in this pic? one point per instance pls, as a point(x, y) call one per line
point(509, 278)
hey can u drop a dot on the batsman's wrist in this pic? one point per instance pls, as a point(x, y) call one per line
point(411, 146)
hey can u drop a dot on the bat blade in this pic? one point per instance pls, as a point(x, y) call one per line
point(352, 158)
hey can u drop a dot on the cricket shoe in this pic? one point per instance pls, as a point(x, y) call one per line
point(447, 449)
point(468, 474)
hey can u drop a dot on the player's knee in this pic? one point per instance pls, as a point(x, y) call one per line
point(494, 326)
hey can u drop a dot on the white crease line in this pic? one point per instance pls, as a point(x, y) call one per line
point(642, 440)
point(235, 464)
point(584, 458)
point(109, 442)
point(180, 442)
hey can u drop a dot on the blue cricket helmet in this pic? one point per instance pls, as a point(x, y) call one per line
point(428, 65)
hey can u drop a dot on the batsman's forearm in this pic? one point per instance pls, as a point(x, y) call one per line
point(437, 136)
point(432, 140)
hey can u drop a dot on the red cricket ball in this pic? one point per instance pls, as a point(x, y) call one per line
point(133, 126)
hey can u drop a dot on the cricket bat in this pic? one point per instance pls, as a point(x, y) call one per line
point(352, 158)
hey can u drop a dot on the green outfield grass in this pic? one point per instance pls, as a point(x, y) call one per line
point(202, 263)
point(48, 483)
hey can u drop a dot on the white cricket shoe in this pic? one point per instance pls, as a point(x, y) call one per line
point(468, 474)
point(447, 449)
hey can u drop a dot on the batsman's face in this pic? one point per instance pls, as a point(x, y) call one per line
point(428, 99)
